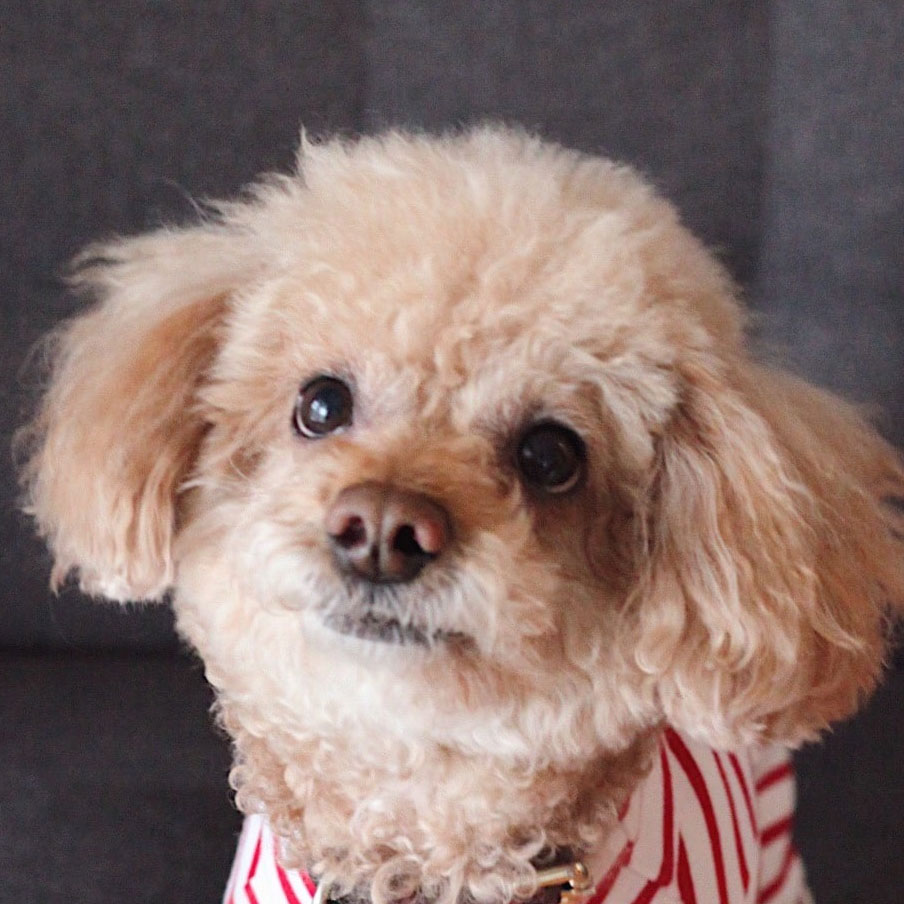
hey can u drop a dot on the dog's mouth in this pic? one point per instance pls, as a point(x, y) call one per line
point(379, 615)
point(383, 628)
point(391, 614)
point(390, 630)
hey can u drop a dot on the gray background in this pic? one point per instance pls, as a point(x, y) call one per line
point(777, 127)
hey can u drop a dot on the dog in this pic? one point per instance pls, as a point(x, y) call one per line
point(497, 544)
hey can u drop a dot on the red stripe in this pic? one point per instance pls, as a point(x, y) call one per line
point(736, 765)
point(623, 810)
point(288, 891)
point(255, 860)
point(776, 830)
point(773, 888)
point(773, 776)
point(668, 837)
point(742, 860)
point(309, 883)
point(685, 880)
point(601, 892)
point(695, 777)
point(291, 897)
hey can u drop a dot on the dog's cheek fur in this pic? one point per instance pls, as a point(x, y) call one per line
point(502, 587)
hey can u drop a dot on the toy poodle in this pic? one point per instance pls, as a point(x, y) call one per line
point(514, 574)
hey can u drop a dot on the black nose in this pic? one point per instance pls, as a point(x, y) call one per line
point(385, 534)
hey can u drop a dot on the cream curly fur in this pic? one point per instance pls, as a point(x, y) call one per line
point(727, 566)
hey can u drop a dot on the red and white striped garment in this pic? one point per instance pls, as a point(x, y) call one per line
point(704, 827)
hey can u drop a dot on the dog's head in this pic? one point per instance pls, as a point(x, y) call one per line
point(464, 482)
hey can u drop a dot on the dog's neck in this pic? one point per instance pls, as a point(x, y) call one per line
point(440, 815)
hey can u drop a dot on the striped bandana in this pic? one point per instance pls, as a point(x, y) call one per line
point(704, 827)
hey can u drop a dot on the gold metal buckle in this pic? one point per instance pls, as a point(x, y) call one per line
point(575, 875)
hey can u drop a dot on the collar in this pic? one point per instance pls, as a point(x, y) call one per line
point(570, 882)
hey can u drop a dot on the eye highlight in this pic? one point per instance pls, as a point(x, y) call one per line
point(551, 457)
point(324, 405)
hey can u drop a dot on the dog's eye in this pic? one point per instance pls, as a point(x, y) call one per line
point(324, 405)
point(551, 457)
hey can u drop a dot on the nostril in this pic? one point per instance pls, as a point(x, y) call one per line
point(353, 533)
point(405, 541)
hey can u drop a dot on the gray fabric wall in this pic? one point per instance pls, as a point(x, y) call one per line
point(776, 127)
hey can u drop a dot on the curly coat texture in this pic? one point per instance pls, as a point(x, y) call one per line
point(727, 565)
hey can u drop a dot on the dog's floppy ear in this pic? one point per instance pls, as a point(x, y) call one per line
point(118, 428)
point(773, 558)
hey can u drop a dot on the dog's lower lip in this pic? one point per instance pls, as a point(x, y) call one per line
point(370, 626)
point(374, 626)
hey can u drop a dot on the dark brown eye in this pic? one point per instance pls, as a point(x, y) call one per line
point(551, 457)
point(324, 405)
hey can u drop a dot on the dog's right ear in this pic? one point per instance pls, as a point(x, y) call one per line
point(118, 427)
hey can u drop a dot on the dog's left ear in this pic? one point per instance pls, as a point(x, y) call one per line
point(774, 559)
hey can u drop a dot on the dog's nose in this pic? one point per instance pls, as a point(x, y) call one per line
point(385, 534)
